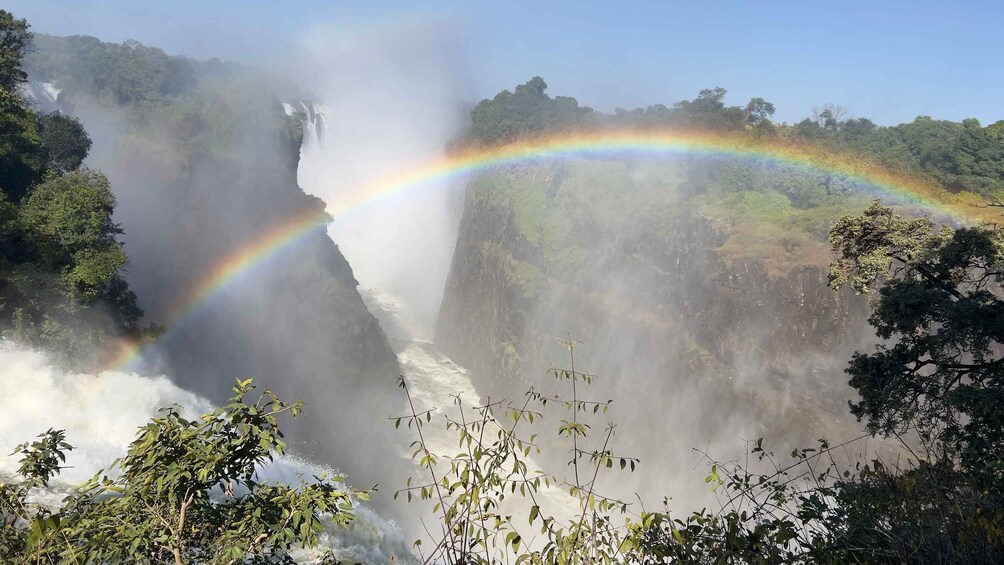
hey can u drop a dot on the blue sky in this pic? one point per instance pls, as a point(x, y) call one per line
point(886, 60)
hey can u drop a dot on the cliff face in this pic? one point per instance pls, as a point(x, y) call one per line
point(199, 170)
point(696, 347)
point(297, 323)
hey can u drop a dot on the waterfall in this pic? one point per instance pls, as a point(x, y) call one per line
point(400, 251)
point(101, 414)
point(313, 120)
point(43, 95)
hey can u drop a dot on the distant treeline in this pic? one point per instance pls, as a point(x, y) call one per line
point(959, 156)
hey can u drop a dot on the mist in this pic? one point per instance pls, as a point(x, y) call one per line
point(193, 191)
point(102, 414)
point(700, 354)
point(225, 164)
point(390, 101)
point(375, 105)
point(654, 282)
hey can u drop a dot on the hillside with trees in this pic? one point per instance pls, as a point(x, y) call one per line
point(62, 263)
point(960, 156)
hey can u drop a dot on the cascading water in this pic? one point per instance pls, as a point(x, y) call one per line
point(313, 119)
point(434, 380)
point(43, 95)
point(101, 414)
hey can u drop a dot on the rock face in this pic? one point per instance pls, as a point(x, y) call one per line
point(199, 173)
point(697, 349)
point(297, 323)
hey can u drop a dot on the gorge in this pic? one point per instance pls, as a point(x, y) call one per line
point(355, 235)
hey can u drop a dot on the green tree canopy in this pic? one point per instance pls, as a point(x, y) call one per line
point(186, 492)
point(60, 260)
point(942, 375)
point(14, 41)
point(65, 141)
point(68, 220)
point(526, 111)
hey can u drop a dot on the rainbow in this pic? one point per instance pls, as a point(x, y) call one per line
point(458, 165)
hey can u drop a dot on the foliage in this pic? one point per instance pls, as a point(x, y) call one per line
point(942, 375)
point(66, 261)
point(14, 42)
point(528, 110)
point(61, 285)
point(118, 74)
point(707, 112)
point(71, 215)
point(25, 524)
point(22, 155)
point(65, 141)
point(186, 492)
point(959, 156)
point(470, 489)
point(819, 509)
point(935, 386)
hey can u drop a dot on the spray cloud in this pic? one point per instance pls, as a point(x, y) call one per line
point(390, 101)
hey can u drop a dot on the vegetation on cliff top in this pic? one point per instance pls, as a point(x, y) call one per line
point(789, 207)
point(61, 264)
point(960, 156)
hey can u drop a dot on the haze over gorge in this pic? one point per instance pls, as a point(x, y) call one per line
point(343, 304)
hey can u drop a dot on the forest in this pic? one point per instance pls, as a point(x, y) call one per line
point(187, 490)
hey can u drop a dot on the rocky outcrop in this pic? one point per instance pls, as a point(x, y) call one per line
point(201, 167)
point(695, 348)
point(296, 321)
point(653, 276)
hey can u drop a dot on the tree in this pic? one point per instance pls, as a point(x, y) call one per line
point(976, 159)
point(856, 129)
point(708, 100)
point(492, 464)
point(69, 222)
point(22, 159)
point(829, 116)
point(186, 492)
point(25, 525)
point(758, 110)
point(996, 130)
point(14, 42)
point(533, 87)
point(525, 112)
point(943, 373)
point(62, 262)
point(938, 375)
point(65, 141)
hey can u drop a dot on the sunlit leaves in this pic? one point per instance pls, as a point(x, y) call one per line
point(187, 489)
point(470, 487)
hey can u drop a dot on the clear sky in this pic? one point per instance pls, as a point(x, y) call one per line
point(886, 60)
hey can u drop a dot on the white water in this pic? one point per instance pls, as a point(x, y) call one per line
point(101, 414)
point(44, 95)
point(434, 381)
point(382, 105)
point(401, 247)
